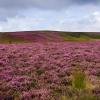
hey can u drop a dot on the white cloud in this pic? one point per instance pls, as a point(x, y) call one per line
point(89, 22)
point(20, 24)
point(81, 18)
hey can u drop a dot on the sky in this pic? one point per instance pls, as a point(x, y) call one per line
point(58, 15)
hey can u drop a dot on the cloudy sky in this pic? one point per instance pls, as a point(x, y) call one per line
point(60, 15)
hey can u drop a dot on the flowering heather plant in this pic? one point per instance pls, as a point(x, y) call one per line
point(43, 71)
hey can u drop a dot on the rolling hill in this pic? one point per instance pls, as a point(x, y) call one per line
point(47, 36)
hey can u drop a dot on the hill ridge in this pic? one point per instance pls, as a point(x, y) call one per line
point(47, 36)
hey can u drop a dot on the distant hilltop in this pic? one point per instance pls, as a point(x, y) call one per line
point(47, 36)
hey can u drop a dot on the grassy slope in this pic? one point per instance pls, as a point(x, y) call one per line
point(48, 36)
point(79, 36)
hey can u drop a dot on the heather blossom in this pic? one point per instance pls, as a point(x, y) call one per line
point(37, 70)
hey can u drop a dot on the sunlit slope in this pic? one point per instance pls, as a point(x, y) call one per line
point(80, 36)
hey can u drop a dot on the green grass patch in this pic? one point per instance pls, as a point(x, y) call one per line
point(80, 88)
point(79, 36)
point(79, 81)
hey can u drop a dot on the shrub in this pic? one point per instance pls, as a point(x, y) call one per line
point(79, 81)
point(34, 83)
point(40, 72)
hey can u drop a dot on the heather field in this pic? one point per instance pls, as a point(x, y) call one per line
point(47, 36)
point(50, 71)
